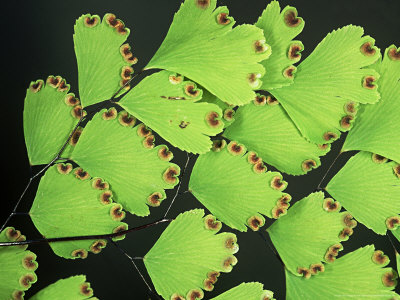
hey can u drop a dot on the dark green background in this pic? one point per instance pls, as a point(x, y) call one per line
point(37, 42)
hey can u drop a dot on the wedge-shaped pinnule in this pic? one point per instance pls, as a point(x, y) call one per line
point(310, 234)
point(356, 275)
point(104, 63)
point(50, 115)
point(202, 46)
point(189, 256)
point(69, 203)
point(264, 127)
point(126, 157)
point(167, 104)
point(377, 128)
point(329, 83)
point(279, 30)
point(246, 291)
point(370, 190)
point(18, 266)
point(235, 187)
point(71, 288)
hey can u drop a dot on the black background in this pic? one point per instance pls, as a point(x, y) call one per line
point(37, 42)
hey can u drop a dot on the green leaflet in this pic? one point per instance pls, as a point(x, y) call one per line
point(376, 128)
point(234, 186)
point(103, 63)
point(71, 288)
point(69, 203)
point(202, 46)
point(189, 256)
point(330, 80)
point(50, 114)
point(17, 266)
point(369, 190)
point(396, 233)
point(166, 104)
point(137, 171)
point(311, 233)
point(246, 291)
point(357, 275)
point(269, 131)
point(279, 30)
point(398, 261)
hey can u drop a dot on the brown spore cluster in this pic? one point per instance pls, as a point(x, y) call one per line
point(213, 120)
point(115, 23)
point(236, 149)
point(170, 175)
point(290, 18)
point(218, 145)
point(211, 223)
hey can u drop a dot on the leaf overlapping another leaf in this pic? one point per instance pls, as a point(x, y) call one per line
point(202, 46)
point(370, 191)
point(310, 234)
point(376, 128)
point(279, 30)
point(268, 130)
point(330, 79)
point(167, 104)
point(356, 275)
point(126, 157)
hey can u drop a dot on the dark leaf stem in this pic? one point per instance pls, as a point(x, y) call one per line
point(84, 237)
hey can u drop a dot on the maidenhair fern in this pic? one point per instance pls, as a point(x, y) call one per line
point(232, 98)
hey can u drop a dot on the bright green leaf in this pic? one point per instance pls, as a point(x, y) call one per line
point(202, 46)
point(246, 291)
point(369, 190)
point(71, 288)
point(357, 275)
point(328, 82)
point(376, 128)
point(234, 186)
point(126, 157)
point(70, 203)
point(50, 114)
point(17, 266)
point(396, 233)
point(103, 62)
point(279, 30)
point(167, 104)
point(269, 131)
point(189, 256)
point(311, 233)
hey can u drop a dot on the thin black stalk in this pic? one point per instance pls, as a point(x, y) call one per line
point(271, 247)
point(179, 184)
point(84, 237)
point(327, 172)
point(134, 264)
